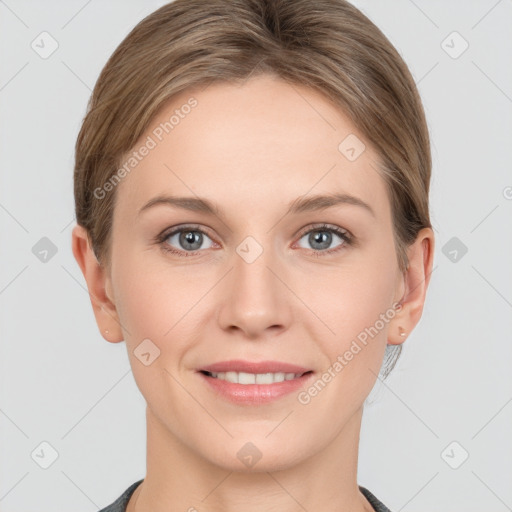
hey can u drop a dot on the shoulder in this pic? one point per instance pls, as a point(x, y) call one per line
point(377, 505)
point(120, 504)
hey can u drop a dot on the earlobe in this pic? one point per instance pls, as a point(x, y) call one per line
point(97, 283)
point(416, 280)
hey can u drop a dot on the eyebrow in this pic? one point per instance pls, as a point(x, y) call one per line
point(299, 205)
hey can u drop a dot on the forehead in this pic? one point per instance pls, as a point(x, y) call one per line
point(264, 139)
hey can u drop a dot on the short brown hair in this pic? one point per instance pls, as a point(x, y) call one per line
point(327, 45)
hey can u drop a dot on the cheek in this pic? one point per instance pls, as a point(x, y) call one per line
point(157, 303)
point(141, 307)
point(148, 310)
point(360, 317)
point(144, 303)
point(359, 301)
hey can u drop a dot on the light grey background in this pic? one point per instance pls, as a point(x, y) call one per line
point(61, 383)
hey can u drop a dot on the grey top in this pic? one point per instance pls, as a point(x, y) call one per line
point(120, 504)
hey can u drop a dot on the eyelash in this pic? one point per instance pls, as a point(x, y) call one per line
point(347, 238)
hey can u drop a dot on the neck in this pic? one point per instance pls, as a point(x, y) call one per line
point(179, 479)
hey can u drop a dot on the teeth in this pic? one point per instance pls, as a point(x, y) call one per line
point(246, 378)
point(231, 377)
point(254, 378)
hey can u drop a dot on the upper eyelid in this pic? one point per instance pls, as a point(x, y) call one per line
point(186, 227)
point(323, 225)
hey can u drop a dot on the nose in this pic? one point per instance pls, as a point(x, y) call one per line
point(255, 301)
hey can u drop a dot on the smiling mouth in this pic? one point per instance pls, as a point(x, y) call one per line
point(254, 378)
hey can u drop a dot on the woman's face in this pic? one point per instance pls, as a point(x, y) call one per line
point(264, 277)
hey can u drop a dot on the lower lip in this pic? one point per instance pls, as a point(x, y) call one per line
point(255, 394)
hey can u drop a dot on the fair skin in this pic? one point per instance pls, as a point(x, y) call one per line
point(251, 150)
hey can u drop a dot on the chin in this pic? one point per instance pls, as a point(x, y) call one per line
point(272, 463)
point(258, 456)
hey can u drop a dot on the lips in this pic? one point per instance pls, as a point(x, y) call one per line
point(254, 383)
point(238, 365)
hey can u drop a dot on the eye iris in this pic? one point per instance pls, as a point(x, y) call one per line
point(322, 237)
point(188, 238)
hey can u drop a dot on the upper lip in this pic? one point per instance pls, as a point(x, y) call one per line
point(238, 365)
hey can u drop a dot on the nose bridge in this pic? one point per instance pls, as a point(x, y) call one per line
point(255, 299)
point(251, 264)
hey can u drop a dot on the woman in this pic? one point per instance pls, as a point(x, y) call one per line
point(251, 188)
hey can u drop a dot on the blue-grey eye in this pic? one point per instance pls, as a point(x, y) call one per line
point(321, 239)
point(188, 239)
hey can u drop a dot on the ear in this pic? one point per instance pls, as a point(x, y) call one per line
point(415, 282)
point(99, 286)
